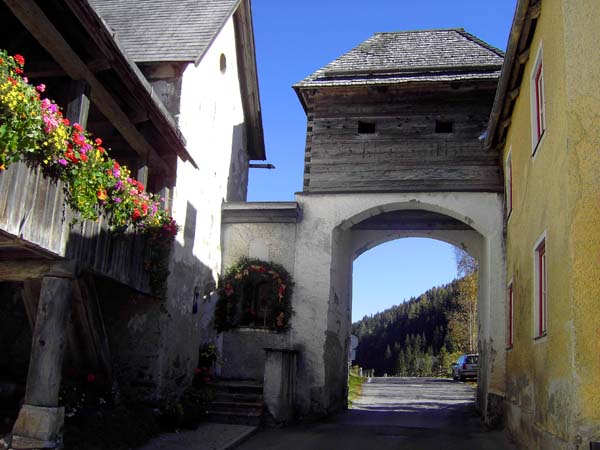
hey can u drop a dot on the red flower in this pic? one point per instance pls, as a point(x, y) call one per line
point(67, 122)
point(19, 59)
point(71, 156)
point(98, 141)
point(18, 70)
point(116, 165)
point(91, 377)
point(136, 214)
point(139, 185)
point(83, 157)
point(101, 149)
point(78, 127)
point(145, 208)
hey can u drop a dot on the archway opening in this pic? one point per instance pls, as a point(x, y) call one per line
point(414, 308)
point(414, 294)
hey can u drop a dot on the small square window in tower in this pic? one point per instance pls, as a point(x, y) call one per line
point(444, 126)
point(366, 127)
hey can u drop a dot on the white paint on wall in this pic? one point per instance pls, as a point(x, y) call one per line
point(258, 249)
point(212, 121)
point(324, 246)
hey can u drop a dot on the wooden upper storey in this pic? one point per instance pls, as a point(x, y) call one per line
point(403, 112)
point(68, 48)
point(402, 139)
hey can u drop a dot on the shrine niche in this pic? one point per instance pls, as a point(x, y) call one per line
point(254, 294)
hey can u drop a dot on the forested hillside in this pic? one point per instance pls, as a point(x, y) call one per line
point(417, 337)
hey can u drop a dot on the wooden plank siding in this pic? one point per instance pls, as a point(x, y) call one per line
point(33, 212)
point(405, 153)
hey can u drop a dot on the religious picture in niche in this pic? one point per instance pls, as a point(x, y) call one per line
point(254, 293)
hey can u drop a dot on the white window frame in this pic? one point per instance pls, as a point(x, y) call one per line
point(510, 323)
point(538, 102)
point(508, 175)
point(540, 287)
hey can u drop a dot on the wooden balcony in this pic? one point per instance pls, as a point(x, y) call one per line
point(35, 231)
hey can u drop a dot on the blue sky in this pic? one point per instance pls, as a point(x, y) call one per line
point(295, 38)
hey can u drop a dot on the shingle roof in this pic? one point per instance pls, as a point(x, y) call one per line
point(428, 55)
point(165, 30)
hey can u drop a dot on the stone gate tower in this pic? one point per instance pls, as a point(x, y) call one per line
point(394, 149)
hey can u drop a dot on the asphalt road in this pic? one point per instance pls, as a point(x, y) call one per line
point(394, 413)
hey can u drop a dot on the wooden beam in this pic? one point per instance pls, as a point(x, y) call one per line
point(513, 94)
point(49, 69)
point(34, 19)
point(524, 56)
point(535, 10)
point(94, 331)
point(21, 270)
point(31, 298)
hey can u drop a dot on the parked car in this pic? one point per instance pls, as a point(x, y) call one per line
point(466, 367)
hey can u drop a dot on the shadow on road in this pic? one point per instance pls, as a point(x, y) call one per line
point(395, 413)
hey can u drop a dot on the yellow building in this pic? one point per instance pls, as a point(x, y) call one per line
point(546, 125)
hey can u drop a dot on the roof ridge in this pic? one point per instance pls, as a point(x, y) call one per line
point(481, 42)
point(420, 31)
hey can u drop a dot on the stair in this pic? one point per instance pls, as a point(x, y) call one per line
point(238, 402)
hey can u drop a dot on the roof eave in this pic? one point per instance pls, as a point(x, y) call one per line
point(526, 14)
point(248, 75)
point(131, 75)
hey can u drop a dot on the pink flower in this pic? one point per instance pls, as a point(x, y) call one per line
point(62, 162)
point(41, 87)
point(117, 199)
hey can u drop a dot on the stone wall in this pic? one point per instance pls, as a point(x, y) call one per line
point(319, 250)
point(268, 232)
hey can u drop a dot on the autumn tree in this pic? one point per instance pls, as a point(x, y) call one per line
point(462, 321)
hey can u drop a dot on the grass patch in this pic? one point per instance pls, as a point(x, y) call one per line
point(355, 382)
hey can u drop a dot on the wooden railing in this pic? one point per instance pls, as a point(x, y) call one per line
point(33, 212)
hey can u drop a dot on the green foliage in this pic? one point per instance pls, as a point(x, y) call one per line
point(413, 338)
point(238, 289)
point(355, 382)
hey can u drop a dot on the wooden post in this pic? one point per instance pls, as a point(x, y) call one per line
point(79, 102)
point(142, 173)
point(40, 420)
point(49, 337)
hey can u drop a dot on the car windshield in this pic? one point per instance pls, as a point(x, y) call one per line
point(472, 359)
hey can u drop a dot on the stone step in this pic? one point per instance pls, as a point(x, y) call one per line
point(238, 407)
point(253, 418)
point(239, 386)
point(225, 396)
point(237, 402)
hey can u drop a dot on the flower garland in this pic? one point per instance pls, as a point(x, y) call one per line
point(33, 130)
point(236, 303)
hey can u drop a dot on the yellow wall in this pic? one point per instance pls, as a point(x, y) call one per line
point(582, 19)
point(553, 384)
